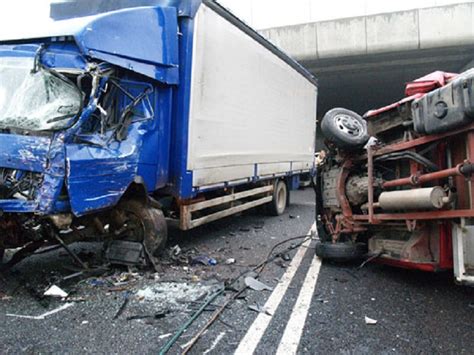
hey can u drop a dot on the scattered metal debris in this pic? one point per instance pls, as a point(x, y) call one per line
point(256, 285)
point(126, 299)
point(158, 315)
point(259, 309)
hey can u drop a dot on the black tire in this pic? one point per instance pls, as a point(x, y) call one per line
point(148, 225)
point(344, 128)
point(340, 251)
point(280, 199)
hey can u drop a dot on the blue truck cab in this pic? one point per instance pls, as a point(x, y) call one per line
point(95, 137)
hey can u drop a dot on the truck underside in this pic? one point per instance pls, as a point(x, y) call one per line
point(397, 182)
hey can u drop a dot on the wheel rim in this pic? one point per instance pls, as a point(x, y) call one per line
point(349, 125)
point(281, 198)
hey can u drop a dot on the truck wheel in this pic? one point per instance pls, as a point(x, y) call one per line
point(344, 128)
point(146, 224)
point(340, 251)
point(280, 198)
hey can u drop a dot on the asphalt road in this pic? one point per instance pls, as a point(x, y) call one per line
point(317, 311)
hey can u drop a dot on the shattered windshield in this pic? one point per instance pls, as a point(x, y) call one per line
point(36, 101)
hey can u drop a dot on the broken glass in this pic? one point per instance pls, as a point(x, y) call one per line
point(35, 100)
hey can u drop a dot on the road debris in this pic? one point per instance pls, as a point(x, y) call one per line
point(259, 309)
point(158, 315)
point(123, 252)
point(370, 321)
point(203, 260)
point(44, 315)
point(126, 299)
point(175, 295)
point(215, 342)
point(176, 250)
point(96, 282)
point(4, 297)
point(185, 326)
point(256, 285)
point(55, 291)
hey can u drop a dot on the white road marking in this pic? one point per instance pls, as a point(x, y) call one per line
point(294, 328)
point(44, 315)
point(251, 339)
point(215, 342)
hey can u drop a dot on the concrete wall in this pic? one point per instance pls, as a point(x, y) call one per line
point(426, 28)
point(263, 14)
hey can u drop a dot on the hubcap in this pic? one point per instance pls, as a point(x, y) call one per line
point(349, 125)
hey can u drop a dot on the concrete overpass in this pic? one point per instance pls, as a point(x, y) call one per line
point(364, 62)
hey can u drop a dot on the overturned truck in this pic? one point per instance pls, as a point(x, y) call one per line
point(398, 181)
point(114, 125)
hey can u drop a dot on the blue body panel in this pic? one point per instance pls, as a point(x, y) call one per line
point(148, 46)
point(181, 178)
point(24, 152)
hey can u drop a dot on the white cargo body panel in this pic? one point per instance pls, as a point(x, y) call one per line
point(251, 113)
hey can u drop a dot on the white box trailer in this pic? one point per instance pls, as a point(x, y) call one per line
point(251, 120)
point(252, 113)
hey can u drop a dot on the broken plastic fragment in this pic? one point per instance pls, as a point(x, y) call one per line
point(259, 309)
point(203, 260)
point(370, 321)
point(55, 291)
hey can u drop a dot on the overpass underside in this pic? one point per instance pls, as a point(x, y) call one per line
point(369, 82)
point(364, 62)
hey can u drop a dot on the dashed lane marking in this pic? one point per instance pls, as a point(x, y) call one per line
point(251, 339)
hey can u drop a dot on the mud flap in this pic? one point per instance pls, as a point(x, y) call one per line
point(463, 253)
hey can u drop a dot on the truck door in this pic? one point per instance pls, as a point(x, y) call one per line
point(463, 249)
